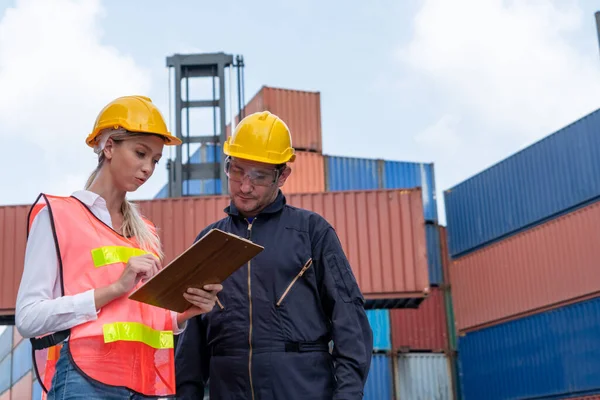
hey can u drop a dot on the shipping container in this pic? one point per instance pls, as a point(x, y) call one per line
point(422, 376)
point(36, 389)
point(23, 388)
point(308, 176)
point(300, 110)
point(400, 175)
point(6, 341)
point(5, 395)
point(555, 353)
point(434, 256)
point(379, 320)
point(380, 384)
point(553, 175)
point(424, 328)
point(385, 244)
point(350, 173)
point(448, 298)
point(21, 360)
point(17, 338)
point(5, 370)
point(591, 397)
point(539, 268)
point(13, 235)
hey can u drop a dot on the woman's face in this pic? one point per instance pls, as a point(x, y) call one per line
point(132, 161)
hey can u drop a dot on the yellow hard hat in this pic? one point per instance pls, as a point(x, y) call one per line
point(261, 137)
point(135, 114)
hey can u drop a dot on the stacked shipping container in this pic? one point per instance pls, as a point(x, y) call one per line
point(17, 379)
point(524, 277)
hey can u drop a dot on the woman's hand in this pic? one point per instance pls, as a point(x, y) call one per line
point(138, 268)
point(203, 301)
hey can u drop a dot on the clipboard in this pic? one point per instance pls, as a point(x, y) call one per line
point(211, 259)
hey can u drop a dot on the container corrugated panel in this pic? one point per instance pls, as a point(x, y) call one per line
point(21, 361)
point(5, 369)
point(308, 174)
point(6, 341)
point(422, 376)
point(547, 178)
point(591, 397)
point(5, 395)
point(380, 384)
point(13, 234)
point(385, 243)
point(400, 175)
point(555, 353)
point(379, 320)
point(300, 110)
point(424, 328)
point(539, 268)
point(23, 388)
point(348, 173)
point(434, 257)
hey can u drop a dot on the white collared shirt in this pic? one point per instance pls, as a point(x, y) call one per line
point(40, 308)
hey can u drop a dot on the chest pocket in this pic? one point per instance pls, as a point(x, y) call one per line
point(291, 284)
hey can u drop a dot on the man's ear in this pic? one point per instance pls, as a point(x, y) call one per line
point(284, 175)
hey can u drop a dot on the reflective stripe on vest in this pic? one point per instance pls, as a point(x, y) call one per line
point(130, 344)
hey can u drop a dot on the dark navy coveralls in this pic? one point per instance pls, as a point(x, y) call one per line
point(252, 348)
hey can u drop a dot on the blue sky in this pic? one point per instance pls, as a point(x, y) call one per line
point(462, 84)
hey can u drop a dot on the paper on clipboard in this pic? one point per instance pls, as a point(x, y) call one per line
point(210, 260)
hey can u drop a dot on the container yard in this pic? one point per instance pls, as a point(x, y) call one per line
point(496, 299)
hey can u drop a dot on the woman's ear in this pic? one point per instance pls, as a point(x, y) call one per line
point(109, 147)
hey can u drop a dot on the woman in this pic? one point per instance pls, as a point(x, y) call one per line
point(85, 254)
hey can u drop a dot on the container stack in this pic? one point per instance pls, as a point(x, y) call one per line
point(17, 379)
point(301, 110)
point(523, 237)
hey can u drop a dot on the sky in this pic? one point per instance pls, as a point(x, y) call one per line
point(462, 83)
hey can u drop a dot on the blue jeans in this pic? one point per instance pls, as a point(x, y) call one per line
point(69, 384)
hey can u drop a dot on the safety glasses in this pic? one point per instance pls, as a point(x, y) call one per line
point(257, 176)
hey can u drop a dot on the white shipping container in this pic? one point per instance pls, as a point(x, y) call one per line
point(424, 376)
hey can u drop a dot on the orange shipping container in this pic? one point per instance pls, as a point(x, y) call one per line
point(385, 242)
point(301, 111)
point(13, 235)
point(536, 270)
point(382, 233)
point(308, 174)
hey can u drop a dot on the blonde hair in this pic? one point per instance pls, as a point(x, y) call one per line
point(133, 223)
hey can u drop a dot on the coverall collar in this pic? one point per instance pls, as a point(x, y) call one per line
point(275, 207)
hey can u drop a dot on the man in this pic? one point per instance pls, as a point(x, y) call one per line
point(268, 337)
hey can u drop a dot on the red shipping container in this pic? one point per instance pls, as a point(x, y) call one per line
point(13, 235)
point(308, 174)
point(424, 328)
point(539, 269)
point(22, 389)
point(385, 243)
point(594, 397)
point(300, 110)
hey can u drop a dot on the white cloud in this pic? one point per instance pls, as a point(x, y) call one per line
point(504, 74)
point(55, 76)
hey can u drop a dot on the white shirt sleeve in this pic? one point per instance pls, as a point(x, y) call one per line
point(176, 329)
point(40, 309)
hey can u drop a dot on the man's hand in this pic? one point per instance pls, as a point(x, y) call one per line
point(203, 301)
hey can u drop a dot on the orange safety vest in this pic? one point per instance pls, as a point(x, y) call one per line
point(130, 344)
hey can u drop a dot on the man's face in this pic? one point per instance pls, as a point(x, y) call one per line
point(254, 185)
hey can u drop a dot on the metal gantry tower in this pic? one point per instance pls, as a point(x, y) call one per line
point(190, 66)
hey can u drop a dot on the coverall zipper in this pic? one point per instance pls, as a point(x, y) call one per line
point(302, 271)
point(250, 308)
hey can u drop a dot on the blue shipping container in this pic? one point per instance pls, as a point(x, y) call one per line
point(6, 339)
point(434, 254)
point(5, 366)
point(404, 175)
point(379, 384)
point(554, 353)
point(424, 376)
point(545, 179)
point(380, 325)
point(21, 361)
